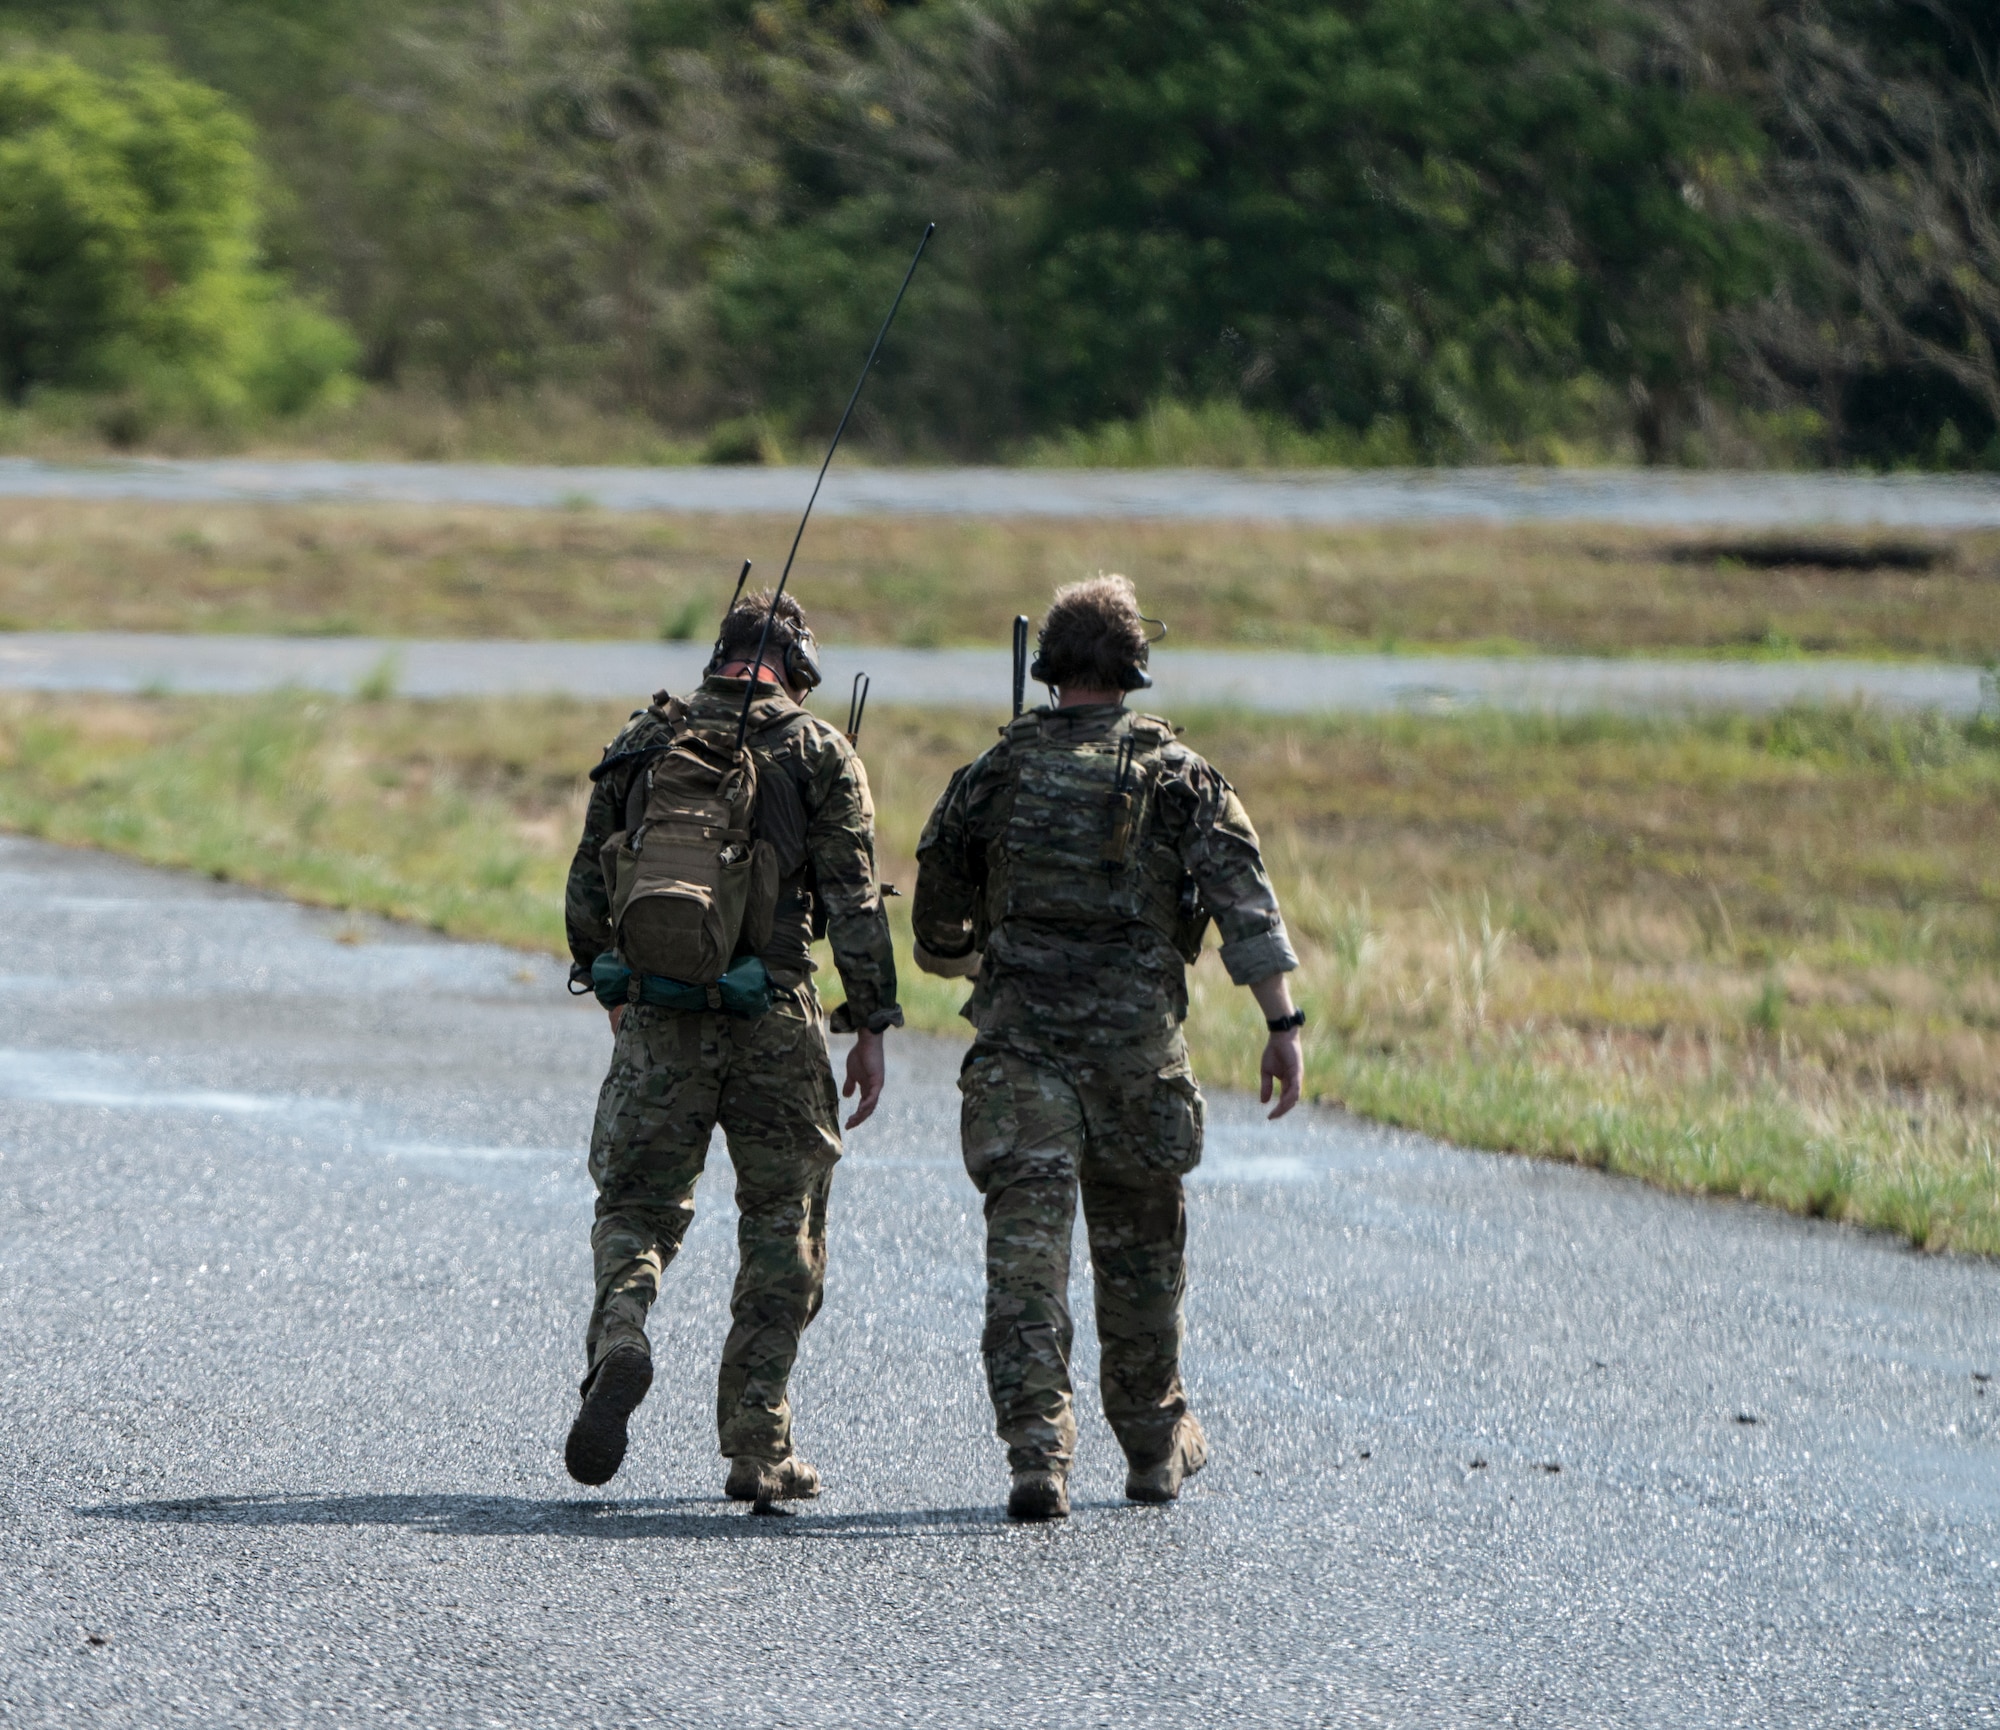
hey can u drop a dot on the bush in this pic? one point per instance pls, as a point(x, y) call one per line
point(129, 262)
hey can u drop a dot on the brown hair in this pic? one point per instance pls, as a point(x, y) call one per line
point(743, 626)
point(1093, 635)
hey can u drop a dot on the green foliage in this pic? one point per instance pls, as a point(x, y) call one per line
point(1220, 434)
point(128, 250)
point(1410, 227)
point(1216, 231)
point(686, 621)
point(1767, 1011)
point(1436, 213)
point(379, 683)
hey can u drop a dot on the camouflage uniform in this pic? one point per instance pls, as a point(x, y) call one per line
point(1079, 1076)
point(768, 1082)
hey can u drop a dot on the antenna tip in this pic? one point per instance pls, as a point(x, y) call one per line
point(930, 228)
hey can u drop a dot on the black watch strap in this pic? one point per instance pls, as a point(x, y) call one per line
point(1285, 1023)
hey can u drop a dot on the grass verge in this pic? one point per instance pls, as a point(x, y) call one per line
point(410, 571)
point(1757, 958)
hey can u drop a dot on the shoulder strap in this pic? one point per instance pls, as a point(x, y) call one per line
point(668, 711)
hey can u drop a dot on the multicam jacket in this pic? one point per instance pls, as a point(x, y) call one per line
point(812, 806)
point(1084, 855)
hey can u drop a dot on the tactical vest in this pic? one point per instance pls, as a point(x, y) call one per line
point(692, 885)
point(1079, 843)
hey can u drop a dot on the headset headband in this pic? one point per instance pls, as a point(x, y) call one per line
point(1134, 677)
point(798, 657)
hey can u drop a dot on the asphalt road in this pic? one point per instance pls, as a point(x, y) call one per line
point(292, 1273)
point(1650, 497)
point(974, 678)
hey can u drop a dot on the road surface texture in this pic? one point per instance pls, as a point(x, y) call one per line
point(1642, 497)
point(973, 678)
point(292, 1277)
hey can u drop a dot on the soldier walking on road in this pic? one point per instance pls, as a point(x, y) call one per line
point(714, 850)
point(1073, 870)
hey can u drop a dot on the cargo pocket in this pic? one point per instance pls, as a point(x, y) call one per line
point(1175, 1114)
point(987, 1121)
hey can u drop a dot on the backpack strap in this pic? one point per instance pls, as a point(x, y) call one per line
point(666, 711)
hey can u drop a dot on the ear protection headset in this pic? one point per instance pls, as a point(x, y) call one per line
point(799, 660)
point(1132, 678)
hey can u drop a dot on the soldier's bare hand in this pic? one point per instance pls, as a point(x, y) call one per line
point(1283, 1068)
point(865, 1073)
point(617, 1019)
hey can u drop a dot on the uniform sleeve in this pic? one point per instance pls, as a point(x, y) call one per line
point(840, 839)
point(1219, 848)
point(586, 904)
point(948, 887)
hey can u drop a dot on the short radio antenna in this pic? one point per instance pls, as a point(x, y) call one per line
point(867, 366)
point(742, 577)
point(1020, 662)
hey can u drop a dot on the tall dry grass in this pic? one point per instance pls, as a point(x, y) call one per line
point(409, 571)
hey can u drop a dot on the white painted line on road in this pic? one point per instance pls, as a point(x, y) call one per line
point(79, 1078)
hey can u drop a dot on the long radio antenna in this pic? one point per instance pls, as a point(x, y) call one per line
point(867, 366)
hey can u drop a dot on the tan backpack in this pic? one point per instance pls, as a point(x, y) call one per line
point(691, 886)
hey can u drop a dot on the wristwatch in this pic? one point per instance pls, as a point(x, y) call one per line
point(1285, 1023)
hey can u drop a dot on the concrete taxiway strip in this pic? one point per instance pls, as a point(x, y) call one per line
point(293, 1271)
point(1654, 498)
point(975, 678)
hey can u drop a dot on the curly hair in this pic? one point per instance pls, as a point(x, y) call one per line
point(743, 626)
point(1093, 635)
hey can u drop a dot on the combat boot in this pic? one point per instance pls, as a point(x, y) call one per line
point(596, 1447)
point(1039, 1493)
point(768, 1481)
point(1162, 1482)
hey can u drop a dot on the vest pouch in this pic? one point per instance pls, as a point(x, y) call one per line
point(746, 988)
point(611, 979)
point(607, 864)
point(1191, 917)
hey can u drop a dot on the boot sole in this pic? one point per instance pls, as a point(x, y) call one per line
point(1036, 1516)
point(1036, 1510)
point(596, 1446)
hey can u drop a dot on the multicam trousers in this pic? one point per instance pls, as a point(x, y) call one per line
point(1123, 1125)
point(674, 1076)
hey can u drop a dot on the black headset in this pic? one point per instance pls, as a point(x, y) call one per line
point(1132, 678)
point(800, 663)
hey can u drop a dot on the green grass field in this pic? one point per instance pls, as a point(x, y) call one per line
point(405, 571)
point(1743, 957)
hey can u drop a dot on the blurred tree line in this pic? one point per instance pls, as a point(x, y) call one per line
point(1692, 230)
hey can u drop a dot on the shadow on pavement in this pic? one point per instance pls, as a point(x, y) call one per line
point(521, 1516)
